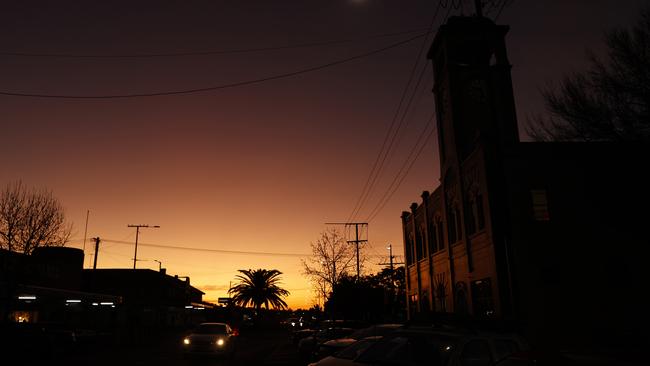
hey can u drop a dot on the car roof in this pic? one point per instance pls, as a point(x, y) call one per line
point(460, 332)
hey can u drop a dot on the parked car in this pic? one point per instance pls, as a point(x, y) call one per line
point(347, 355)
point(314, 327)
point(298, 335)
point(334, 345)
point(210, 339)
point(434, 346)
point(308, 345)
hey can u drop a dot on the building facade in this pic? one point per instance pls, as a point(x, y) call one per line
point(545, 236)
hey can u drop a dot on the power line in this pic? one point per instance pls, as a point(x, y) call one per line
point(195, 249)
point(218, 87)
point(176, 247)
point(207, 53)
point(403, 176)
point(383, 151)
point(395, 140)
point(415, 147)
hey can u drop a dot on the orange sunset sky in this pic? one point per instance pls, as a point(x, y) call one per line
point(254, 168)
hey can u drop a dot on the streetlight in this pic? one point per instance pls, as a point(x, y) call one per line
point(159, 264)
point(137, 232)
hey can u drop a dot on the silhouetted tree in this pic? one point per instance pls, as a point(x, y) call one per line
point(378, 297)
point(332, 258)
point(30, 219)
point(355, 299)
point(259, 287)
point(610, 101)
point(389, 278)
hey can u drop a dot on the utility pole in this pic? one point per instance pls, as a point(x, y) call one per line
point(137, 233)
point(86, 232)
point(391, 258)
point(97, 240)
point(356, 241)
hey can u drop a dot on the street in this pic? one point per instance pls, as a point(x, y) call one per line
point(255, 347)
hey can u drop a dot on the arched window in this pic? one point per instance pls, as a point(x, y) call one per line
point(480, 214)
point(441, 234)
point(451, 225)
point(419, 245)
point(471, 216)
point(455, 224)
point(433, 237)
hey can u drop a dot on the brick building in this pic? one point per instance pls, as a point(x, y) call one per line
point(546, 236)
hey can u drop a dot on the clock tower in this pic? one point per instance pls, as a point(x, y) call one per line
point(476, 124)
point(473, 88)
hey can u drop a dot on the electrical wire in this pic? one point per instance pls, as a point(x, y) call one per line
point(217, 87)
point(397, 137)
point(224, 251)
point(383, 150)
point(403, 176)
point(399, 174)
point(206, 53)
point(377, 172)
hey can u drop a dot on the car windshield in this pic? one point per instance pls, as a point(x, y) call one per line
point(415, 349)
point(211, 329)
point(355, 349)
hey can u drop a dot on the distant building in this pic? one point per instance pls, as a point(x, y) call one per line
point(152, 298)
point(50, 286)
point(45, 287)
point(549, 236)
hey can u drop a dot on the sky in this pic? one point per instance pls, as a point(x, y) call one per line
point(256, 168)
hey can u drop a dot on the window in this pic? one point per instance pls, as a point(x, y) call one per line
point(540, 205)
point(451, 226)
point(433, 238)
point(411, 349)
point(419, 246)
point(441, 238)
point(480, 214)
point(459, 225)
point(482, 298)
point(471, 217)
point(440, 287)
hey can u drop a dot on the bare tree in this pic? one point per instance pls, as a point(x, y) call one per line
point(608, 102)
point(30, 219)
point(332, 259)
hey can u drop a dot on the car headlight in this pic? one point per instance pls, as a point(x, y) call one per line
point(220, 342)
point(186, 341)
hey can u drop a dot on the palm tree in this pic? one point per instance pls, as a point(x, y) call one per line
point(259, 287)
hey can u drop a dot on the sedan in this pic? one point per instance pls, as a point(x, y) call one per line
point(210, 339)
